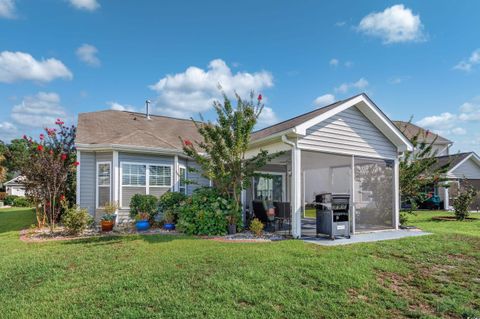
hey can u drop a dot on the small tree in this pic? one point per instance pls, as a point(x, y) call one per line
point(48, 171)
point(462, 202)
point(221, 153)
point(419, 169)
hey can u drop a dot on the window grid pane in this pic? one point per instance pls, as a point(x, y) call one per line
point(134, 174)
point(160, 175)
point(103, 174)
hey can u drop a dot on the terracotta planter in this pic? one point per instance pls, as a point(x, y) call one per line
point(107, 225)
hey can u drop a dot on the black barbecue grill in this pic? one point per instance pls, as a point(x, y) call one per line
point(333, 215)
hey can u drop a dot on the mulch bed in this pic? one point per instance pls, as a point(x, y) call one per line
point(44, 235)
point(247, 237)
point(451, 218)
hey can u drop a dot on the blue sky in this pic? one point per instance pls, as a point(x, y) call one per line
point(62, 57)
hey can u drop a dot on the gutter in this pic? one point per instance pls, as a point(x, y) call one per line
point(287, 141)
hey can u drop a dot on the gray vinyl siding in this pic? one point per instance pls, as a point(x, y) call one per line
point(128, 192)
point(87, 181)
point(195, 179)
point(469, 169)
point(348, 132)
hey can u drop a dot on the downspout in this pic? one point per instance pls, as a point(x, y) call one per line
point(287, 141)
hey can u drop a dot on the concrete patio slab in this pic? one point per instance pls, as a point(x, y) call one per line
point(367, 237)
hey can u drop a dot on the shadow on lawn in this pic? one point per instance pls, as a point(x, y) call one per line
point(15, 219)
point(117, 239)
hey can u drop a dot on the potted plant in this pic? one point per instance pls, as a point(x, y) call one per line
point(141, 221)
point(232, 224)
point(169, 219)
point(108, 219)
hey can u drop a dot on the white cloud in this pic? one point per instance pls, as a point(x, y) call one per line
point(267, 117)
point(361, 84)
point(470, 111)
point(459, 131)
point(348, 64)
point(121, 107)
point(194, 90)
point(334, 62)
point(88, 5)
point(40, 110)
point(443, 121)
point(7, 9)
point(17, 66)
point(323, 100)
point(6, 127)
point(393, 25)
point(88, 54)
point(340, 23)
point(467, 65)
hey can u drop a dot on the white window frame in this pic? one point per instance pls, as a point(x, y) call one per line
point(161, 165)
point(180, 167)
point(97, 175)
point(147, 179)
point(284, 189)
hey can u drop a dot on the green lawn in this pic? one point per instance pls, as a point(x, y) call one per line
point(184, 277)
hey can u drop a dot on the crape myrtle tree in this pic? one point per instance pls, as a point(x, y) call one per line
point(221, 153)
point(50, 172)
point(419, 170)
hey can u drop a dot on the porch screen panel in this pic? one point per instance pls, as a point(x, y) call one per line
point(374, 194)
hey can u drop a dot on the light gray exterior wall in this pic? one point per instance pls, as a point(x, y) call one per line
point(87, 181)
point(196, 179)
point(469, 169)
point(348, 132)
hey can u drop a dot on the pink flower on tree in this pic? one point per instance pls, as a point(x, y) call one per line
point(63, 157)
point(59, 122)
point(40, 148)
point(187, 143)
point(76, 163)
point(259, 98)
point(42, 137)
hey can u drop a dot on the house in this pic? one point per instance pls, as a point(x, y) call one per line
point(15, 186)
point(440, 144)
point(464, 170)
point(464, 167)
point(349, 146)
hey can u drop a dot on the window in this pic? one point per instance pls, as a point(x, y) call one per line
point(269, 188)
point(182, 183)
point(103, 183)
point(134, 174)
point(160, 176)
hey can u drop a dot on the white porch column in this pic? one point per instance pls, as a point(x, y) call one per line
point(115, 180)
point(296, 193)
point(396, 197)
point(353, 199)
point(78, 179)
point(446, 200)
point(176, 174)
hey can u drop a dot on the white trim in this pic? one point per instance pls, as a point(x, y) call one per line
point(396, 195)
point(109, 182)
point(348, 153)
point(476, 158)
point(284, 185)
point(398, 139)
point(147, 185)
point(353, 197)
point(115, 181)
point(296, 192)
point(78, 179)
point(176, 174)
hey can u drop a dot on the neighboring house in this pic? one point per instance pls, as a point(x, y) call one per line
point(464, 167)
point(440, 144)
point(464, 170)
point(350, 147)
point(15, 187)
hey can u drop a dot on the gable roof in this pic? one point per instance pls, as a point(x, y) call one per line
point(123, 128)
point(15, 181)
point(410, 130)
point(300, 123)
point(453, 159)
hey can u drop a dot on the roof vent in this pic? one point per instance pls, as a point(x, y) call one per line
point(147, 106)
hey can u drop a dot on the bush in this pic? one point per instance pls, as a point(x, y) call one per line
point(8, 201)
point(143, 204)
point(21, 202)
point(462, 202)
point(2, 195)
point(170, 202)
point(76, 220)
point(204, 213)
point(256, 227)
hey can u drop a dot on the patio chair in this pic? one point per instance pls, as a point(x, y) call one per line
point(261, 213)
point(282, 214)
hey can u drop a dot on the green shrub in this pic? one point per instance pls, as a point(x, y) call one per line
point(256, 227)
point(8, 201)
point(462, 202)
point(170, 203)
point(143, 204)
point(76, 220)
point(204, 213)
point(21, 202)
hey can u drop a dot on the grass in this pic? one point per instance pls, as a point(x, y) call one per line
point(185, 277)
